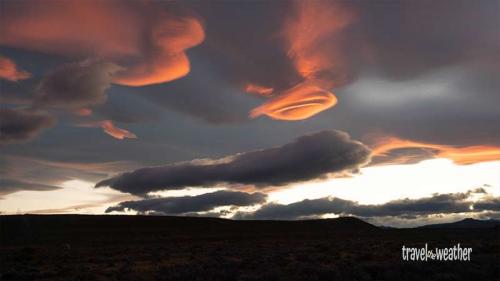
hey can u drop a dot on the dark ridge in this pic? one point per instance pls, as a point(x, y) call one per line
point(116, 247)
point(88, 228)
point(466, 223)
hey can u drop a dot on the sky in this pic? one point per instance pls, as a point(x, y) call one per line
point(383, 110)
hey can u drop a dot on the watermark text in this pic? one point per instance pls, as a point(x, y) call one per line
point(455, 253)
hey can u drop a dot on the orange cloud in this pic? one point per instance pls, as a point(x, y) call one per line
point(148, 43)
point(99, 28)
point(460, 155)
point(297, 103)
point(83, 112)
point(119, 133)
point(259, 90)
point(170, 38)
point(9, 71)
point(312, 36)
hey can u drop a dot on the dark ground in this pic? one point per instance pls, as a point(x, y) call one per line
point(74, 247)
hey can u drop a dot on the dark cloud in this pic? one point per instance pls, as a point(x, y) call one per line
point(491, 204)
point(76, 85)
point(404, 208)
point(303, 209)
point(308, 157)
point(18, 125)
point(189, 204)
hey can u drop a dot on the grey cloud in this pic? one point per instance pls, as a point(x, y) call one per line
point(491, 204)
point(303, 209)
point(11, 185)
point(189, 204)
point(404, 208)
point(308, 157)
point(439, 203)
point(19, 125)
point(76, 85)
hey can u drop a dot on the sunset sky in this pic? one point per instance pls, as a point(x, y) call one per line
point(384, 110)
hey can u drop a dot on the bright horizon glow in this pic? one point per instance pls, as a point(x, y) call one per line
point(380, 184)
point(75, 196)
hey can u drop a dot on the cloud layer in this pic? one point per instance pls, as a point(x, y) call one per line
point(191, 204)
point(408, 208)
point(308, 157)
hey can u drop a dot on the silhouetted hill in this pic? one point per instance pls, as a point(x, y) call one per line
point(47, 228)
point(143, 248)
point(466, 223)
